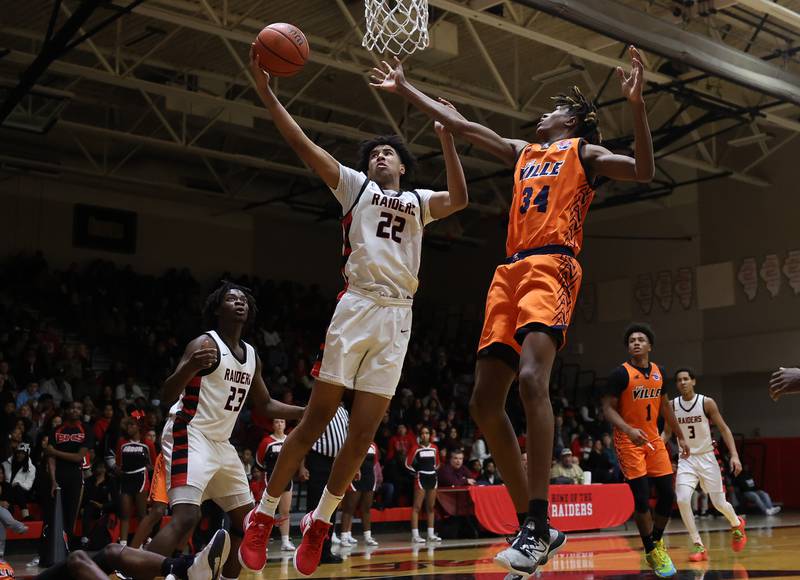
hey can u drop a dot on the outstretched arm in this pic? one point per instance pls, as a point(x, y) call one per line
point(393, 80)
point(642, 166)
point(320, 161)
point(445, 203)
point(712, 412)
point(271, 408)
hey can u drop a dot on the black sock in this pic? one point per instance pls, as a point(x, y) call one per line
point(537, 511)
point(177, 566)
point(657, 533)
point(649, 543)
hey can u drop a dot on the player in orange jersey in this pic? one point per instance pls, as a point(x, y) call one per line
point(633, 400)
point(533, 294)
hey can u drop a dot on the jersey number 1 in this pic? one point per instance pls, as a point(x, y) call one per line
point(235, 391)
point(539, 202)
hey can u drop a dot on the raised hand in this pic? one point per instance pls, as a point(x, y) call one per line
point(204, 357)
point(631, 83)
point(784, 381)
point(387, 77)
point(260, 75)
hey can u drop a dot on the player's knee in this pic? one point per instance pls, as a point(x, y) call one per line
point(683, 495)
point(77, 561)
point(158, 510)
point(186, 519)
point(533, 382)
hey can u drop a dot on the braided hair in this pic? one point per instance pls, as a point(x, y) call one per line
point(584, 109)
point(216, 298)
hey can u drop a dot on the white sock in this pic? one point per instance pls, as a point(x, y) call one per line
point(268, 505)
point(725, 508)
point(285, 539)
point(431, 533)
point(346, 535)
point(327, 505)
point(415, 533)
point(367, 535)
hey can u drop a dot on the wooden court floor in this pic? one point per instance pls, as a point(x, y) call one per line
point(771, 552)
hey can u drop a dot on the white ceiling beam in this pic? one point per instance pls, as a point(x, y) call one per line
point(455, 91)
point(487, 58)
point(711, 168)
point(775, 10)
point(582, 53)
point(334, 129)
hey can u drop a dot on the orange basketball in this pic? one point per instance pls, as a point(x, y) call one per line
point(282, 49)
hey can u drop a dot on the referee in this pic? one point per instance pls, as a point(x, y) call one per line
point(318, 463)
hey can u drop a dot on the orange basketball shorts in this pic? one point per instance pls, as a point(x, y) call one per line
point(537, 292)
point(158, 489)
point(640, 461)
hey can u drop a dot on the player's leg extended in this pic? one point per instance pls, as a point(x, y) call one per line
point(233, 567)
point(368, 411)
point(185, 516)
point(685, 483)
point(536, 363)
point(321, 408)
point(493, 379)
point(711, 481)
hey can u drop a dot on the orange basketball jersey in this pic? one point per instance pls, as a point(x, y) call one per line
point(640, 403)
point(551, 197)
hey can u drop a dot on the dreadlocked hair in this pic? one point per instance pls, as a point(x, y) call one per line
point(215, 299)
point(585, 111)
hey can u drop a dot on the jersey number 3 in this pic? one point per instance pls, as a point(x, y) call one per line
point(539, 202)
point(234, 392)
point(386, 222)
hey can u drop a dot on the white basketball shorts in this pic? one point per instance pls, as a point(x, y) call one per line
point(366, 343)
point(199, 468)
point(701, 468)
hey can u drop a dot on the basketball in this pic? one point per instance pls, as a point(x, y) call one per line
point(282, 49)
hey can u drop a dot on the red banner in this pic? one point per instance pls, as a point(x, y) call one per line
point(572, 507)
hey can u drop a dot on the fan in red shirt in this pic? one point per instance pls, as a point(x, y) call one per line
point(400, 443)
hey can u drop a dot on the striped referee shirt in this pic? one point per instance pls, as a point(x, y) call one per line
point(332, 440)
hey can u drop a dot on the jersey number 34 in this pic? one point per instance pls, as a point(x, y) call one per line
point(539, 202)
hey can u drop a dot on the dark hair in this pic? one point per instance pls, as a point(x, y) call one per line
point(217, 296)
point(686, 370)
point(395, 142)
point(642, 327)
point(588, 123)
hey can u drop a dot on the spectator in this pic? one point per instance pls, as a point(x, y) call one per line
point(257, 483)
point(566, 471)
point(474, 467)
point(20, 474)
point(29, 395)
point(454, 473)
point(8, 378)
point(452, 441)
point(746, 486)
point(248, 462)
point(129, 390)
point(608, 451)
point(599, 465)
point(479, 450)
point(489, 475)
point(99, 499)
point(400, 443)
point(57, 387)
point(6, 519)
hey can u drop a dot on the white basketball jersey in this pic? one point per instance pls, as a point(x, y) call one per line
point(211, 403)
point(382, 233)
point(695, 426)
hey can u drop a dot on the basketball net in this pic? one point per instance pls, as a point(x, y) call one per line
point(396, 26)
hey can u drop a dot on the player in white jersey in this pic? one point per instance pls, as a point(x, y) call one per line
point(367, 338)
point(211, 384)
point(695, 413)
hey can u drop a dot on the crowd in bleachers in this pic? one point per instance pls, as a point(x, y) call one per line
point(105, 338)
